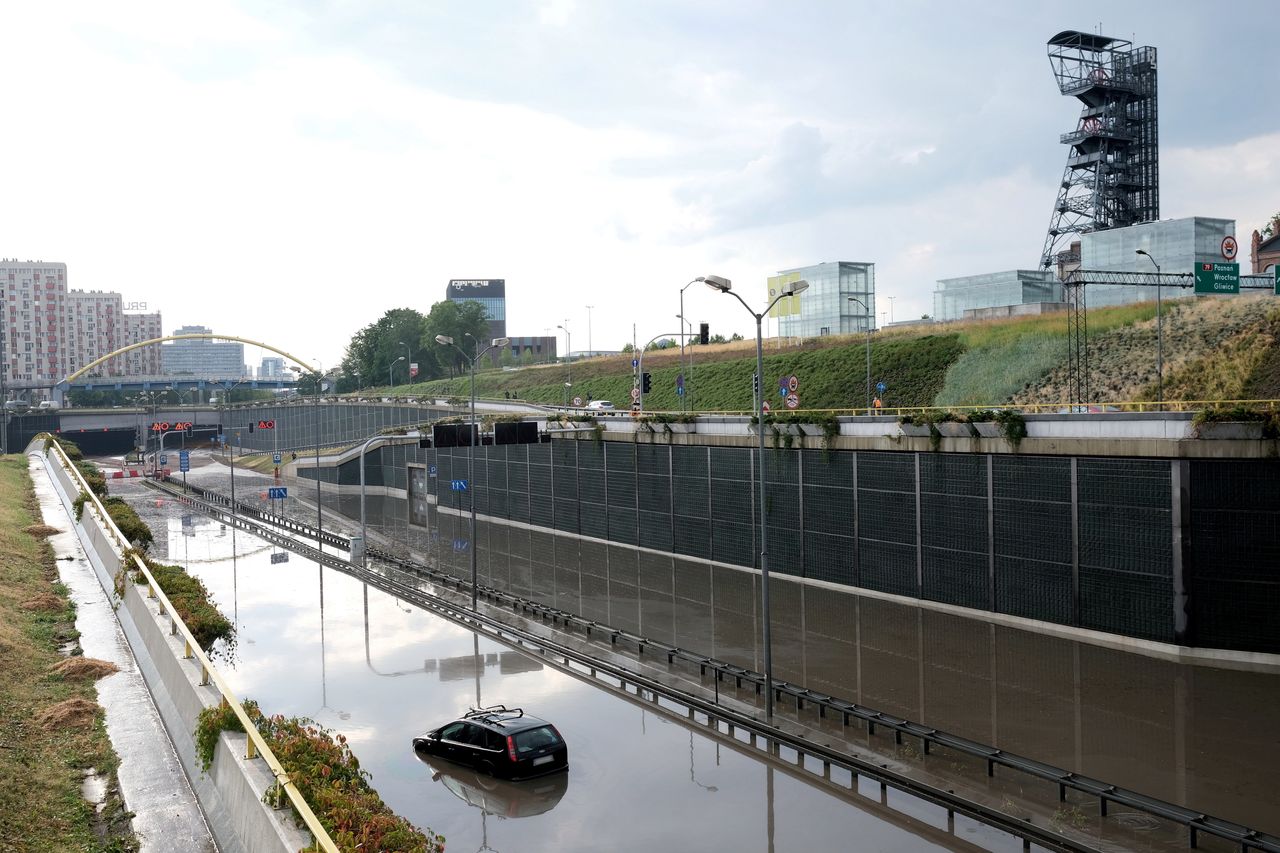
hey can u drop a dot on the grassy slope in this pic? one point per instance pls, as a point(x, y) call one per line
point(1213, 349)
point(40, 803)
point(832, 374)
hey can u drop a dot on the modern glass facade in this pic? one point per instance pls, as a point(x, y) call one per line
point(489, 292)
point(1177, 245)
point(954, 296)
point(825, 308)
point(206, 358)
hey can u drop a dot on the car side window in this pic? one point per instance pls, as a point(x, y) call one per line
point(493, 741)
point(454, 732)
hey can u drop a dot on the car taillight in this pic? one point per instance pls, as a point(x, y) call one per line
point(511, 747)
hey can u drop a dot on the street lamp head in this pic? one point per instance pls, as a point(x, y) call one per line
point(398, 360)
point(500, 342)
point(716, 282)
point(796, 287)
point(558, 326)
point(1142, 252)
point(444, 339)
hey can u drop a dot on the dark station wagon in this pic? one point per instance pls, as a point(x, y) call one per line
point(501, 741)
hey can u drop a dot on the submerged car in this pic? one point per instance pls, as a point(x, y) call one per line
point(501, 741)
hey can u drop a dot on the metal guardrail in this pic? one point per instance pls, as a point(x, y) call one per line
point(257, 746)
point(1194, 822)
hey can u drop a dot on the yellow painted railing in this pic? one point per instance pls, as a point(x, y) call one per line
point(1026, 408)
point(257, 746)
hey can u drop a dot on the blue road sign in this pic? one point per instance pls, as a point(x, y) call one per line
point(277, 493)
point(275, 457)
point(431, 470)
point(880, 387)
point(458, 485)
point(679, 380)
point(679, 390)
point(164, 458)
point(461, 545)
point(635, 362)
point(184, 464)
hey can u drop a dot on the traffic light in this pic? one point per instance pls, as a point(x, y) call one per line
point(645, 383)
point(250, 426)
point(703, 333)
point(755, 384)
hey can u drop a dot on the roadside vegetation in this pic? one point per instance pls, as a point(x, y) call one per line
point(51, 727)
point(1214, 349)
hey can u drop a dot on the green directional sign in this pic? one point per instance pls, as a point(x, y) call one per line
point(1217, 278)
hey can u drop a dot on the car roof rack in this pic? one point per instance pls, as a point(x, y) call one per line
point(493, 711)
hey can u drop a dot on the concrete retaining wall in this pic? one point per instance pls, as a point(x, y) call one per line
point(231, 792)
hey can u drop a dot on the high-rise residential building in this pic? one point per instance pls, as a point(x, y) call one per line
point(202, 357)
point(489, 292)
point(51, 331)
point(840, 300)
point(35, 319)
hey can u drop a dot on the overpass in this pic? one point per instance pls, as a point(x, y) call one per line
point(160, 382)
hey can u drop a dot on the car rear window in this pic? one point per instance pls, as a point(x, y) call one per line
point(536, 739)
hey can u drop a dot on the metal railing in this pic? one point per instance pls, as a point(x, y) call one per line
point(1193, 821)
point(256, 744)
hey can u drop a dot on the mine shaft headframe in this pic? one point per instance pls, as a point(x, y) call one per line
point(1112, 177)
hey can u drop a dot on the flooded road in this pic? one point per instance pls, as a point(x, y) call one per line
point(314, 642)
point(1196, 735)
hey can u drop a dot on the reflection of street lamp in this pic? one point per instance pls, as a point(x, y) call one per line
point(471, 485)
point(1159, 334)
point(692, 778)
point(715, 282)
point(866, 311)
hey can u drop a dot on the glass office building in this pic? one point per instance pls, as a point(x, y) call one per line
point(954, 296)
point(489, 292)
point(825, 309)
point(1177, 245)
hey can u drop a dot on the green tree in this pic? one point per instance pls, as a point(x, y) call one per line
point(374, 349)
point(466, 323)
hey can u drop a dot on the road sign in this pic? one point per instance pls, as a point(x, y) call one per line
point(577, 401)
point(280, 557)
point(458, 485)
point(461, 545)
point(880, 387)
point(793, 383)
point(164, 458)
point(679, 390)
point(765, 406)
point(275, 457)
point(635, 362)
point(184, 461)
point(679, 380)
point(1230, 247)
point(431, 470)
point(792, 401)
point(635, 393)
point(1217, 278)
point(277, 493)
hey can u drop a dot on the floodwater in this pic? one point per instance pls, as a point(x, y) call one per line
point(317, 643)
point(1196, 735)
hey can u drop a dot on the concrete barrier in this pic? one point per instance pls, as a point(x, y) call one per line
point(231, 793)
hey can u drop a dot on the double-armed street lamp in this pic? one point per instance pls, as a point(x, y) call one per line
point(791, 289)
point(866, 311)
point(445, 340)
point(1159, 332)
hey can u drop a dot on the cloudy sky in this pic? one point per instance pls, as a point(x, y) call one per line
point(287, 171)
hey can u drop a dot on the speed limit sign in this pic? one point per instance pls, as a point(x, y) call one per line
point(635, 393)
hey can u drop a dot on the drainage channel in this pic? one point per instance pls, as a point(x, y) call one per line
point(718, 715)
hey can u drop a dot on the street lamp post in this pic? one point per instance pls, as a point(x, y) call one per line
point(408, 358)
point(391, 367)
point(590, 351)
point(867, 312)
point(471, 453)
point(1159, 333)
point(891, 298)
point(568, 351)
point(723, 285)
point(682, 322)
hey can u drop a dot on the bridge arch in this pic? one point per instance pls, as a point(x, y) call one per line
point(72, 377)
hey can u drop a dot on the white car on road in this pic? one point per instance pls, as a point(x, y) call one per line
point(600, 404)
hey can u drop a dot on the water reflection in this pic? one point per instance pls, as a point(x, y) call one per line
point(497, 797)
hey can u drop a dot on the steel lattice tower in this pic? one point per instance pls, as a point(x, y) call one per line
point(1112, 177)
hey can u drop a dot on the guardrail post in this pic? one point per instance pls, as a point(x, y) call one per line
point(251, 749)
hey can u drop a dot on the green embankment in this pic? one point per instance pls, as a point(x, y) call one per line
point(1214, 349)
